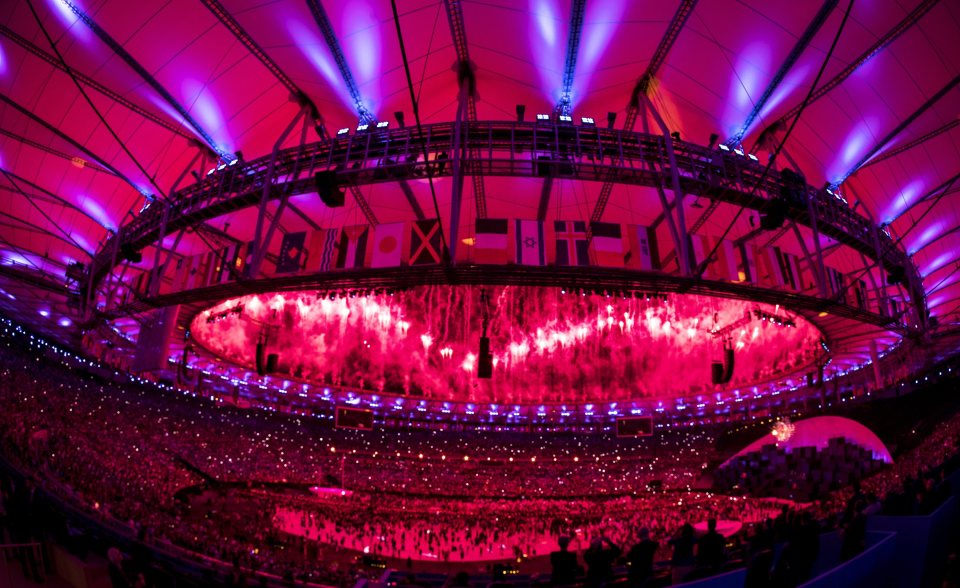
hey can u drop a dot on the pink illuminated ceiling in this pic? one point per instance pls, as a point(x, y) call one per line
point(66, 184)
point(547, 345)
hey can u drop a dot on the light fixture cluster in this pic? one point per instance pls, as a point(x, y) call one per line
point(774, 319)
point(739, 152)
point(219, 316)
point(621, 293)
point(343, 293)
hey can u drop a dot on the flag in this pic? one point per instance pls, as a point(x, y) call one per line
point(697, 249)
point(860, 294)
point(321, 250)
point(200, 268)
point(571, 243)
point(607, 244)
point(747, 267)
point(141, 282)
point(208, 262)
point(835, 284)
point(769, 271)
point(724, 265)
point(291, 250)
point(425, 243)
point(171, 271)
point(807, 279)
point(352, 251)
point(247, 258)
point(190, 268)
point(530, 246)
point(644, 254)
point(183, 272)
point(226, 263)
point(388, 245)
point(790, 265)
point(490, 243)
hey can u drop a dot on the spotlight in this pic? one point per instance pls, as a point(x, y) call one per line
point(362, 127)
point(399, 116)
point(543, 118)
point(521, 110)
point(723, 147)
point(383, 124)
point(611, 119)
point(566, 118)
point(343, 131)
point(588, 121)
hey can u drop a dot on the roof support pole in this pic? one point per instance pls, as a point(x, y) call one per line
point(679, 230)
point(158, 268)
point(545, 189)
point(260, 244)
point(878, 292)
point(815, 264)
point(465, 73)
point(456, 169)
point(818, 267)
point(643, 87)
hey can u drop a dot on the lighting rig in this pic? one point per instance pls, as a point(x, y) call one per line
point(219, 316)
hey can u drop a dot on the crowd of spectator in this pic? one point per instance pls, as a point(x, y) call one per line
point(802, 475)
point(125, 452)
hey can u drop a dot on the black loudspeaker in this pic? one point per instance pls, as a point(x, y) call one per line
point(130, 254)
point(773, 216)
point(727, 365)
point(272, 361)
point(716, 371)
point(330, 194)
point(261, 359)
point(545, 166)
point(897, 275)
point(485, 361)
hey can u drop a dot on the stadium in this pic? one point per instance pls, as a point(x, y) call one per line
point(463, 293)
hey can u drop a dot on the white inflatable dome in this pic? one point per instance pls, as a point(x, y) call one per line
point(817, 432)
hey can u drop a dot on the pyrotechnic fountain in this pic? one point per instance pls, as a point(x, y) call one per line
point(549, 345)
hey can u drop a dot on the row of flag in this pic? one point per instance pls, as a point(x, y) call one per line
point(500, 242)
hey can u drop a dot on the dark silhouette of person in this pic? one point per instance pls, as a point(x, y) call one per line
point(711, 551)
point(599, 558)
point(640, 558)
point(682, 561)
point(564, 564)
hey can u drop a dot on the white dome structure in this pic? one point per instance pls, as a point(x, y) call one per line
point(817, 432)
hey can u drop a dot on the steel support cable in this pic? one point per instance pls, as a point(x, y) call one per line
point(416, 115)
point(93, 107)
point(773, 157)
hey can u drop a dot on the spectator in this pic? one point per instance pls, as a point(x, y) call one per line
point(682, 561)
point(599, 558)
point(564, 564)
point(640, 558)
point(118, 577)
point(711, 548)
